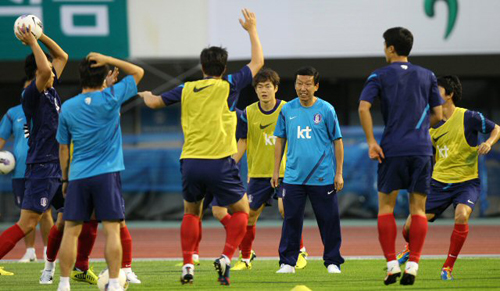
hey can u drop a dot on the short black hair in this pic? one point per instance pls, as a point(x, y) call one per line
point(451, 84)
point(308, 71)
point(30, 65)
point(265, 75)
point(213, 60)
point(92, 77)
point(401, 38)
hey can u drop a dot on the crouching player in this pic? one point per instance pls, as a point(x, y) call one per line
point(255, 136)
point(455, 179)
point(92, 121)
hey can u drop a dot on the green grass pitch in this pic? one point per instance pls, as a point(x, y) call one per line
point(469, 273)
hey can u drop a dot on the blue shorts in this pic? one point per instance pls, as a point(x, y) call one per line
point(443, 195)
point(261, 193)
point(42, 188)
point(219, 177)
point(18, 189)
point(210, 201)
point(412, 173)
point(101, 193)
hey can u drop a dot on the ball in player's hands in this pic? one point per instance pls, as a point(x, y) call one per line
point(30, 21)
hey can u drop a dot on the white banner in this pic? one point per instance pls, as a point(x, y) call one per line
point(313, 28)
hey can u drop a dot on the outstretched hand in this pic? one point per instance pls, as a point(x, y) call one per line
point(250, 21)
point(112, 77)
point(100, 60)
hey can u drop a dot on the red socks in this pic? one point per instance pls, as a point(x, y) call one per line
point(457, 240)
point(246, 243)
point(86, 242)
point(126, 247)
point(235, 232)
point(225, 220)
point(190, 232)
point(197, 248)
point(302, 242)
point(55, 237)
point(418, 231)
point(9, 239)
point(387, 231)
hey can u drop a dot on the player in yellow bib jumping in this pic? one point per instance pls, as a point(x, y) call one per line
point(255, 135)
point(455, 179)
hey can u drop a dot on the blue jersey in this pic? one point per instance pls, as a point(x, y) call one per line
point(13, 124)
point(42, 116)
point(406, 92)
point(309, 132)
point(92, 122)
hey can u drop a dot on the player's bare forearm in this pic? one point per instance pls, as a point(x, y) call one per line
point(60, 57)
point(250, 25)
point(2, 143)
point(279, 149)
point(64, 160)
point(257, 61)
point(494, 136)
point(242, 147)
point(152, 101)
point(436, 115)
point(365, 117)
point(339, 155)
point(43, 67)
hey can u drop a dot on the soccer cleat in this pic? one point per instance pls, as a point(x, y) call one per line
point(409, 274)
point(84, 276)
point(301, 260)
point(333, 269)
point(403, 256)
point(5, 273)
point(223, 270)
point(286, 269)
point(242, 265)
point(29, 256)
point(131, 276)
point(393, 272)
point(252, 256)
point(63, 287)
point(187, 276)
point(446, 274)
point(47, 277)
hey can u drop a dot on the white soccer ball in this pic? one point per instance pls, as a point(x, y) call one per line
point(31, 21)
point(7, 162)
point(103, 279)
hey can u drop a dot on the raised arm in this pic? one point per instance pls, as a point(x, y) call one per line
point(59, 56)
point(250, 25)
point(374, 150)
point(42, 63)
point(126, 67)
point(279, 149)
point(339, 157)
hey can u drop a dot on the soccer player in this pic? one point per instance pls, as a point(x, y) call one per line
point(455, 179)
point(13, 124)
point(255, 136)
point(209, 126)
point(410, 103)
point(41, 106)
point(91, 120)
point(310, 127)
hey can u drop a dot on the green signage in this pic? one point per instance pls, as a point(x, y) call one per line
point(452, 13)
point(78, 26)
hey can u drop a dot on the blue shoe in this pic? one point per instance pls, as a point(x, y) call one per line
point(223, 270)
point(403, 256)
point(446, 274)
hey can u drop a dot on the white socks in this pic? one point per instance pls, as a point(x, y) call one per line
point(49, 266)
